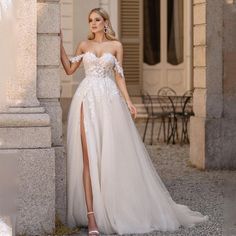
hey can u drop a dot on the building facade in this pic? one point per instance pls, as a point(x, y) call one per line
point(157, 53)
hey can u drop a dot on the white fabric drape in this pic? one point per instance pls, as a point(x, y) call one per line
point(128, 194)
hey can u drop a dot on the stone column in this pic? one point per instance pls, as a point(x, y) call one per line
point(23, 85)
point(26, 128)
point(48, 89)
point(228, 124)
point(212, 129)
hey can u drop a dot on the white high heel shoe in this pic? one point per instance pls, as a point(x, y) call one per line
point(93, 231)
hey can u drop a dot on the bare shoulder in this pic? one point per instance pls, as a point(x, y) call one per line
point(118, 47)
point(82, 45)
point(117, 44)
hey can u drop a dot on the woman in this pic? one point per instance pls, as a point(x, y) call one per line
point(112, 183)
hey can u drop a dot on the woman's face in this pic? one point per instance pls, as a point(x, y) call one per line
point(96, 22)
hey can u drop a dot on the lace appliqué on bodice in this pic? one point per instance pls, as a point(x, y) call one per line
point(119, 69)
point(76, 58)
point(101, 69)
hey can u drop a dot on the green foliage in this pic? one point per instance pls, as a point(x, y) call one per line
point(59, 230)
point(62, 229)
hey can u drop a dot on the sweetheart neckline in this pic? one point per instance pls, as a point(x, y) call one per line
point(103, 54)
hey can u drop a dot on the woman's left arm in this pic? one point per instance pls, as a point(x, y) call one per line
point(120, 80)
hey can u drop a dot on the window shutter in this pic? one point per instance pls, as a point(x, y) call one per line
point(131, 38)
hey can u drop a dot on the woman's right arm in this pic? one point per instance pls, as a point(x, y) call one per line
point(68, 66)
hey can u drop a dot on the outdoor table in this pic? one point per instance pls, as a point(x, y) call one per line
point(172, 107)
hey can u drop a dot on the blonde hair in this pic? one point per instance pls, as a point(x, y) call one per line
point(110, 34)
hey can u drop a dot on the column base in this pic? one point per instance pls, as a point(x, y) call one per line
point(213, 143)
point(35, 198)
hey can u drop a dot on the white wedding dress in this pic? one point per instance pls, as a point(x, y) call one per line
point(128, 194)
point(5, 230)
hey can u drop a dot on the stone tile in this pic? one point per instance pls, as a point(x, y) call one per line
point(199, 1)
point(199, 102)
point(199, 35)
point(199, 77)
point(199, 56)
point(228, 127)
point(36, 197)
point(213, 128)
point(48, 50)
point(214, 53)
point(229, 106)
point(213, 159)
point(229, 27)
point(25, 137)
point(229, 151)
point(23, 120)
point(197, 136)
point(199, 14)
point(48, 20)
point(61, 189)
point(214, 105)
point(48, 83)
point(54, 110)
point(229, 73)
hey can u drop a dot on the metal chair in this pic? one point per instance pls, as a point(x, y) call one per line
point(152, 116)
point(166, 91)
point(168, 110)
point(167, 97)
point(187, 112)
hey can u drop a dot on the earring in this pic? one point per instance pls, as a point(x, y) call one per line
point(105, 29)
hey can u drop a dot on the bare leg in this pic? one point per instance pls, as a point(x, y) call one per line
point(86, 176)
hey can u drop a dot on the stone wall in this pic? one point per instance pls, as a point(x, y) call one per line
point(48, 88)
point(212, 128)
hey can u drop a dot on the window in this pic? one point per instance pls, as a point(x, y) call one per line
point(152, 53)
point(175, 31)
point(171, 31)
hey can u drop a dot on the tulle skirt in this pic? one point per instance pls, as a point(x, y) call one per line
point(128, 194)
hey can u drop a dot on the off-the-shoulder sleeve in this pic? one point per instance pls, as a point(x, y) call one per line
point(76, 58)
point(119, 69)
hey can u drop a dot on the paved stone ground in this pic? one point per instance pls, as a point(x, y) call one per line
point(212, 192)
